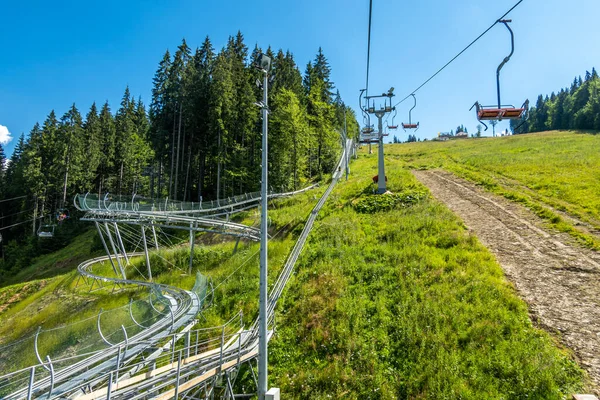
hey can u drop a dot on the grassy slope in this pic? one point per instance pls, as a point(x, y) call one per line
point(397, 304)
point(549, 172)
point(56, 263)
point(57, 301)
point(405, 304)
point(46, 294)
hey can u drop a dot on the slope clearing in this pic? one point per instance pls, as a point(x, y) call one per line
point(393, 298)
point(555, 174)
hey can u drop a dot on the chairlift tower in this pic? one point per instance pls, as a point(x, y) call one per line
point(380, 113)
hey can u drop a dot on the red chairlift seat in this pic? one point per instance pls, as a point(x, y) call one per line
point(410, 126)
point(492, 113)
point(489, 114)
point(392, 126)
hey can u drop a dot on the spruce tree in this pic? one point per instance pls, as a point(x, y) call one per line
point(107, 142)
point(71, 154)
point(160, 118)
point(93, 150)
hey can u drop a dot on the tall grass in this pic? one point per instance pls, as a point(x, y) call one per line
point(550, 173)
point(406, 304)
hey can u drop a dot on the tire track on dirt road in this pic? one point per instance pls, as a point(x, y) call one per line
point(557, 278)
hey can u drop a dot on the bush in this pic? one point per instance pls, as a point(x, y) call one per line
point(375, 203)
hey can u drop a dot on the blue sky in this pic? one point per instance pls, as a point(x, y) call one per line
point(57, 53)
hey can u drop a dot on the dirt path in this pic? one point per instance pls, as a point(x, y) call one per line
point(558, 279)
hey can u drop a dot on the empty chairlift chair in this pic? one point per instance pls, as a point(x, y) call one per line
point(410, 125)
point(489, 113)
point(393, 126)
point(46, 231)
point(367, 134)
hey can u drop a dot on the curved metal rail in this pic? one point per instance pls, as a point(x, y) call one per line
point(124, 375)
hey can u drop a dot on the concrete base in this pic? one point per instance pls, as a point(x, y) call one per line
point(272, 394)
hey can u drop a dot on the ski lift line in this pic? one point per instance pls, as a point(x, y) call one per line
point(14, 198)
point(17, 213)
point(20, 223)
point(369, 46)
point(460, 53)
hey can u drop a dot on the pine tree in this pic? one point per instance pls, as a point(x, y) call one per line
point(221, 104)
point(107, 144)
point(71, 153)
point(288, 138)
point(52, 151)
point(33, 174)
point(93, 150)
point(204, 60)
point(322, 72)
point(160, 117)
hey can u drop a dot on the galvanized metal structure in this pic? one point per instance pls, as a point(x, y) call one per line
point(369, 109)
point(166, 359)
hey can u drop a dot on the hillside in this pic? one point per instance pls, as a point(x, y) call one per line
point(555, 174)
point(392, 297)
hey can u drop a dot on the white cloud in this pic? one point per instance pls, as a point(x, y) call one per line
point(4, 135)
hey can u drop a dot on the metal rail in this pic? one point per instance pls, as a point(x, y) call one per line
point(122, 371)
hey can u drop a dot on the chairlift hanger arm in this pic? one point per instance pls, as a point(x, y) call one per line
point(506, 59)
point(410, 111)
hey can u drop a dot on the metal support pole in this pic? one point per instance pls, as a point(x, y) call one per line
point(155, 238)
point(237, 242)
point(118, 365)
point(106, 248)
point(178, 373)
point(221, 354)
point(112, 244)
point(146, 253)
point(118, 234)
point(262, 318)
point(188, 340)
point(192, 237)
point(30, 387)
point(109, 386)
point(346, 144)
point(381, 184)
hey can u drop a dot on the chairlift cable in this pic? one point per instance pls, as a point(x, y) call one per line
point(460, 53)
point(369, 46)
point(17, 213)
point(14, 198)
point(19, 223)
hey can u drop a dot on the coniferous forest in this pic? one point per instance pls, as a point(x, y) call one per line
point(577, 107)
point(199, 138)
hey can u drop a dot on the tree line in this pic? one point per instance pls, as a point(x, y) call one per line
point(575, 107)
point(199, 138)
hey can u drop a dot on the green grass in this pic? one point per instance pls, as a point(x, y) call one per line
point(404, 303)
point(58, 262)
point(391, 298)
point(552, 173)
